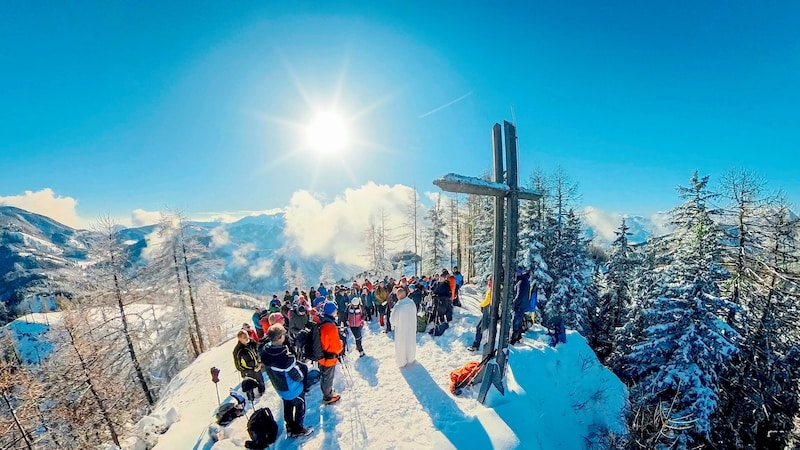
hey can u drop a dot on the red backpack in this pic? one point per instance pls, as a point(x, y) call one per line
point(460, 378)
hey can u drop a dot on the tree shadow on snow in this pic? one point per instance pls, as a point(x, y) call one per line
point(461, 430)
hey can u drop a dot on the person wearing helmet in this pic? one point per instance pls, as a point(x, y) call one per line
point(355, 320)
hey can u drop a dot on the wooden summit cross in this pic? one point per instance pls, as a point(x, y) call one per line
point(503, 190)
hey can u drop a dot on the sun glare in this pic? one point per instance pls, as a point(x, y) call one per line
point(327, 133)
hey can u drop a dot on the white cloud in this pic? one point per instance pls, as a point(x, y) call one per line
point(240, 254)
point(140, 217)
point(220, 237)
point(604, 223)
point(338, 228)
point(262, 268)
point(155, 240)
point(48, 203)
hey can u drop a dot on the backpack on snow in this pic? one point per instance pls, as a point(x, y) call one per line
point(228, 412)
point(462, 377)
point(262, 428)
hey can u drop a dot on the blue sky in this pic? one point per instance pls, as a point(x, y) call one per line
point(138, 105)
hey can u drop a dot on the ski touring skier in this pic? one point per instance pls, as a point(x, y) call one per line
point(248, 363)
point(483, 322)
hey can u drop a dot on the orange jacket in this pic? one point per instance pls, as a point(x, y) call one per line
point(452, 280)
point(331, 343)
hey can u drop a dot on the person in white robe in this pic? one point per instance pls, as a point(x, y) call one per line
point(404, 320)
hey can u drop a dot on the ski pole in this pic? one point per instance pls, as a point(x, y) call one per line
point(215, 379)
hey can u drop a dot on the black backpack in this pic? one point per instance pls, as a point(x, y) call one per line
point(312, 346)
point(228, 412)
point(262, 428)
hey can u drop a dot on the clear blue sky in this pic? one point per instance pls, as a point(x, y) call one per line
point(126, 105)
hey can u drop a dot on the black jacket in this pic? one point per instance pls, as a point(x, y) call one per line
point(441, 289)
point(245, 357)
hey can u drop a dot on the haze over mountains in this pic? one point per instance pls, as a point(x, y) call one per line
point(40, 256)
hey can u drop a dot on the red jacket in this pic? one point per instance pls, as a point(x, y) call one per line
point(331, 343)
point(253, 334)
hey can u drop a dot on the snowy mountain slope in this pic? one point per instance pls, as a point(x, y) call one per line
point(556, 397)
point(40, 257)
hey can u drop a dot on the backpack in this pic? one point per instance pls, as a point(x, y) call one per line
point(312, 347)
point(459, 378)
point(228, 412)
point(262, 428)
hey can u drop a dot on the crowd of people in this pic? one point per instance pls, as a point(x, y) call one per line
point(311, 328)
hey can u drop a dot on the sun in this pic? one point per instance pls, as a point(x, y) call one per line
point(327, 133)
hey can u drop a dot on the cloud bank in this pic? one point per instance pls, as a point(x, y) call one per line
point(48, 203)
point(338, 228)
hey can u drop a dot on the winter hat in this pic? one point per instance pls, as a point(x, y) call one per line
point(276, 317)
point(356, 301)
point(301, 309)
point(329, 308)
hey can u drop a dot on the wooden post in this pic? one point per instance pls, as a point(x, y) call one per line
point(512, 229)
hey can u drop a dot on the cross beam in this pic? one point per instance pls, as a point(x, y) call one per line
point(506, 191)
point(471, 185)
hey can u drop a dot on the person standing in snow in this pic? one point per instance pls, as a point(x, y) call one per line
point(323, 291)
point(250, 332)
point(522, 290)
point(459, 278)
point(332, 347)
point(404, 317)
point(483, 322)
point(381, 297)
point(288, 378)
point(257, 322)
point(355, 320)
point(248, 363)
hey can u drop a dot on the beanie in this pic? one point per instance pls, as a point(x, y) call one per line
point(329, 308)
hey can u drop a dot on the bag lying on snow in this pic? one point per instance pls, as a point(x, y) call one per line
point(262, 428)
point(228, 412)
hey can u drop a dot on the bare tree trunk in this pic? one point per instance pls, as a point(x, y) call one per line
point(16, 421)
point(192, 338)
point(191, 296)
point(136, 366)
point(98, 400)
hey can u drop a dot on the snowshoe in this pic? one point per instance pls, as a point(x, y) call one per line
point(472, 348)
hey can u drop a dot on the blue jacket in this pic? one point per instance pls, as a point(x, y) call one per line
point(523, 292)
point(256, 321)
point(322, 291)
point(282, 370)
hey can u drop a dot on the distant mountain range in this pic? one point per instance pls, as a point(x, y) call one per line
point(40, 257)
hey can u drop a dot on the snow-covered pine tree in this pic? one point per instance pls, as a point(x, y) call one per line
point(326, 276)
point(435, 238)
point(573, 292)
point(615, 296)
point(534, 235)
point(687, 342)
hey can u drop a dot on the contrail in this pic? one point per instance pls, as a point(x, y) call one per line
point(445, 105)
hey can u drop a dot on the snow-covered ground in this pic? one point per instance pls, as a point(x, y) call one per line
point(556, 398)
